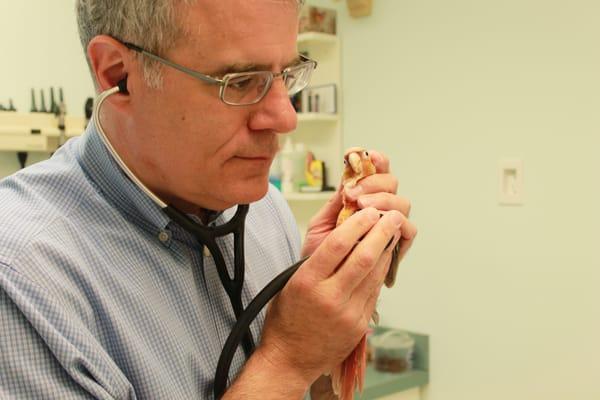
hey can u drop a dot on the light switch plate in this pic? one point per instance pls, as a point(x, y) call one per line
point(510, 182)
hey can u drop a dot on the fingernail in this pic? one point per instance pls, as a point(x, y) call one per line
point(365, 202)
point(397, 218)
point(354, 192)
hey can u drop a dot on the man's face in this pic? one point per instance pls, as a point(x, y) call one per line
point(191, 148)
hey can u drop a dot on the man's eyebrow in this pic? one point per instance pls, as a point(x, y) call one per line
point(249, 67)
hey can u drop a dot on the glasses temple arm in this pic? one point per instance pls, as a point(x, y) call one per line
point(181, 68)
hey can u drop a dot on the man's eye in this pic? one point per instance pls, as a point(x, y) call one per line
point(241, 83)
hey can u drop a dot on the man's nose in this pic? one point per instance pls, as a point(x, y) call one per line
point(275, 111)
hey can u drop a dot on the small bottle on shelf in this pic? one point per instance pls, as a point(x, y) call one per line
point(275, 172)
point(33, 105)
point(299, 159)
point(287, 166)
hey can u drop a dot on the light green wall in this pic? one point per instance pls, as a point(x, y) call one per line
point(40, 48)
point(509, 295)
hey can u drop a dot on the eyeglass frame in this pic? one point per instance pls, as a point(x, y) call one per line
point(222, 82)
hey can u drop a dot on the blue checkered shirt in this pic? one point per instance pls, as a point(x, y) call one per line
point(103, 297)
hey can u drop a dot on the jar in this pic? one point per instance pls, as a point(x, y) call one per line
point(392, 351)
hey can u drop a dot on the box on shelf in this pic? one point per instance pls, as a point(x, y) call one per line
point(316, 99)
point(317, 19)
point(360, 8)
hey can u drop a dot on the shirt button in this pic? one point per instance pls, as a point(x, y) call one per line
point(163, 236)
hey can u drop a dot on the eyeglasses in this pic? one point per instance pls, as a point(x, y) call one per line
point(246, 88)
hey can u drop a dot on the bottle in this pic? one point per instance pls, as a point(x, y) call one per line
point(53, 106)
point(287, 166)
point(275, 172)
point(42, 102)
point(33, 106)
point(299, 159)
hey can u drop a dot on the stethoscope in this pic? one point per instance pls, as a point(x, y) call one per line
point(207, 235)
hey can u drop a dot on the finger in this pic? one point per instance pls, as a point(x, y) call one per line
point(329, 212)
point(408, 230)
point(385, 202)
point(380, 160)
point(370, 286)
point(365, 255)
point(336, 246)
point(373, 184)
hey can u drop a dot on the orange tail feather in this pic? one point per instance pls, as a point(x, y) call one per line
point(351, 374)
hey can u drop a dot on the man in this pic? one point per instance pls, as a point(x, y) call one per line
point(103, 296)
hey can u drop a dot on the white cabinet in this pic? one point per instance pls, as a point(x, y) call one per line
point(320, 132)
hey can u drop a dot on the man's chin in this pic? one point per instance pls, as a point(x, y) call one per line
point(250, 191)
point(256, 193)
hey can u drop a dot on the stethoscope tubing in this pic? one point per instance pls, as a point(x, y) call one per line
point(113, 152)
point(206, 235)
point(243, 323)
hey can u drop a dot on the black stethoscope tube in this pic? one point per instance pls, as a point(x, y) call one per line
point(206, 236)
point(243, 323)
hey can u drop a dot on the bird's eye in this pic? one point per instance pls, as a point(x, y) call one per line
point(366, 154)
point(345, 162)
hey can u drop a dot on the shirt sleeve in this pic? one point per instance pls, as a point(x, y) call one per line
point(44, 355)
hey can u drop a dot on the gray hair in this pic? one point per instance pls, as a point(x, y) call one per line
point(151, 24)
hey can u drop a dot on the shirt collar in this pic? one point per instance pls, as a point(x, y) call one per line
point(107, 176)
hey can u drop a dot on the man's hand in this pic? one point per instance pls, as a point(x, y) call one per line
point(324, 310)
point(378, 191)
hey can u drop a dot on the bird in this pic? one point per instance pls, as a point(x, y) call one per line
point(350, 374)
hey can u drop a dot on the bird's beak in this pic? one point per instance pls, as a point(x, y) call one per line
point(354, 161)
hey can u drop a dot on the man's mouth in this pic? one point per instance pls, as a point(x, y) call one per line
point(258, 157)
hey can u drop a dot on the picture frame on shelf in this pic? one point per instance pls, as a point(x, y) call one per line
point(318, 19)
point(319, 99)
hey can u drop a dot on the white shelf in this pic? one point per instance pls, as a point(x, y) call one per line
point(18, 142)
point(316, 38)
point(317, 117)
point(26, 131)
point(317, 196)
point(320, 132)
point(16, 131)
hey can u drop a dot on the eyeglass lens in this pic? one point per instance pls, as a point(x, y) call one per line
point(246, 89)
point(251, 87)
point(297, 78)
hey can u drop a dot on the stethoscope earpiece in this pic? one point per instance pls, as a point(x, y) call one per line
point(122, 84)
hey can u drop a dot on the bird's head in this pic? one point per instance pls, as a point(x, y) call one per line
point(357, 165)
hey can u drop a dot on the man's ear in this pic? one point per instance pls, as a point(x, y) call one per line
point(111, 62)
